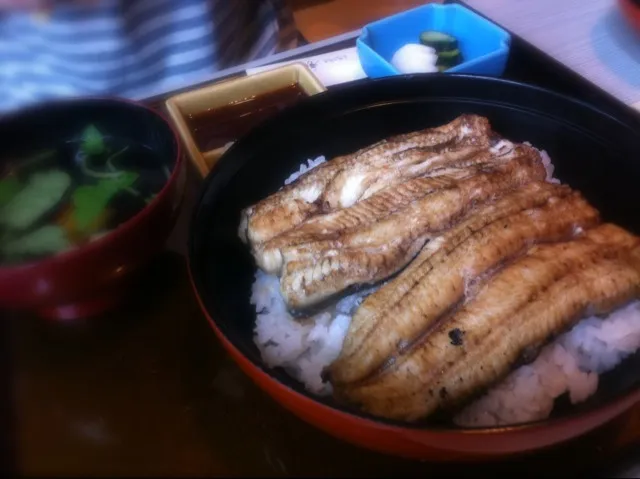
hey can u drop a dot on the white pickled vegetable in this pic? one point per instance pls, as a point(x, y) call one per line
point(415, 58)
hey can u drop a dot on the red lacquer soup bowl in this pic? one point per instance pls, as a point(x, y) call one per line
point(93, 276)
point(631, 10)
point(593, 151)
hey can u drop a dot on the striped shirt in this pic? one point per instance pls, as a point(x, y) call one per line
point(134, 48)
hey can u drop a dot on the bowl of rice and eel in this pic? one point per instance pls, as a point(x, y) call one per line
point(435, 267)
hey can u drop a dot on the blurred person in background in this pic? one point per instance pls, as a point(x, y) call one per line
point(131, 48)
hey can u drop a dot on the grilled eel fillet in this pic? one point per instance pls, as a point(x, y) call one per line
point(343, 181)
point(469, 347)
point(392, 318)
point(393, 198)
point(319, 270)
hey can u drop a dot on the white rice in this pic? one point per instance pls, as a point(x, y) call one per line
point(548, 165)
point(311, 164)
point(304, 348)
point(571, 363)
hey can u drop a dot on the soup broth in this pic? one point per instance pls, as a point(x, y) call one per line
point(68, 195)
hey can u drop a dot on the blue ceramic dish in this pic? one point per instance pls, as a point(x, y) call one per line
point(484, 45)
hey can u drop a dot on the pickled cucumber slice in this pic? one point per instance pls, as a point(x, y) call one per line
point(449, 59)
point(440, 42)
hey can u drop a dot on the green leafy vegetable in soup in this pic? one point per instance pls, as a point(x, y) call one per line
point(91, 200)
point(92, 141)
point(46, 240)
point(9, 187)
point(42, 192)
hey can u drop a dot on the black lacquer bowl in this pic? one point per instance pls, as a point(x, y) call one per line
point(594, 152)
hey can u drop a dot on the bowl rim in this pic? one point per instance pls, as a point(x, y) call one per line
point(265, 373)
point(259, 371)
point(77, 252)
point(259, 367)
point(631, 12)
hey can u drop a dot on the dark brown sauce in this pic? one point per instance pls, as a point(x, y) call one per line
point(216, 127)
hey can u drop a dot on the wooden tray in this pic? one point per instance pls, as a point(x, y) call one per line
point(149, 391)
